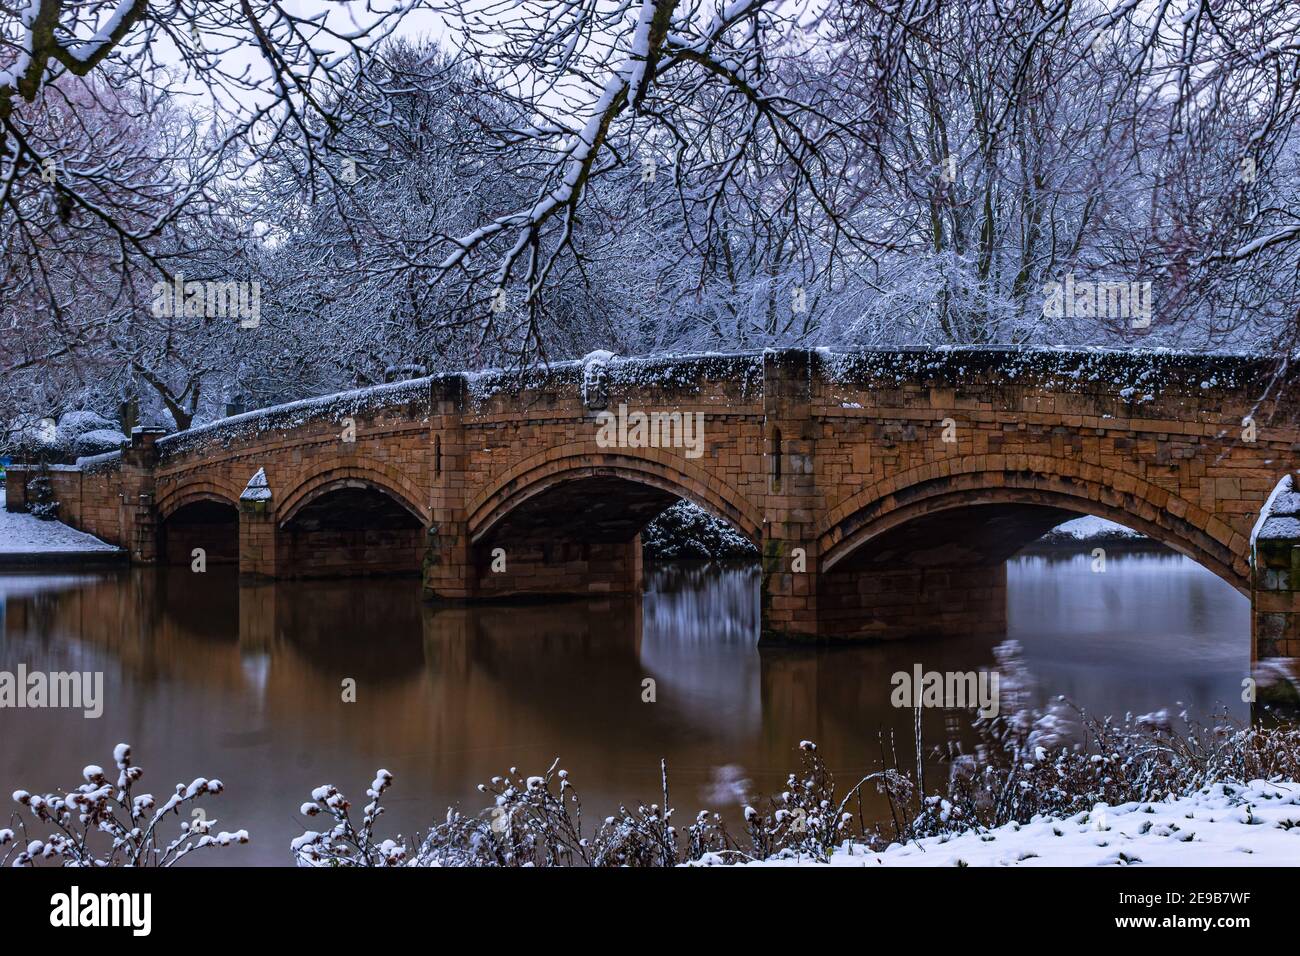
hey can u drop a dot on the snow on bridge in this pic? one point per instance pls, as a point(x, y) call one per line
point(885, 488)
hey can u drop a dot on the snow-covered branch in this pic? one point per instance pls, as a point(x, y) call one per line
point(101, 823)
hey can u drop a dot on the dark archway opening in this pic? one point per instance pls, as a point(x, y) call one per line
point(350, 530)
point(972, 535)
point(582, 536)
point(210, 525)
point(575, 537)
point(943, 573)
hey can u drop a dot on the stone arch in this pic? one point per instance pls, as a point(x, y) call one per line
point(380, 478)
point(188, 520)
point(199, 489)
point(655, 468)
point(1085, 489)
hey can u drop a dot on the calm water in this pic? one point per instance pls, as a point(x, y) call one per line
point(204, 676)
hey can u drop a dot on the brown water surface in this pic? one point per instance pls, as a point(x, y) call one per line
point(206, 676)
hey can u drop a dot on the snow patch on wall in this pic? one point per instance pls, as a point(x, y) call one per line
point(1279, 519)
point(1137, 375)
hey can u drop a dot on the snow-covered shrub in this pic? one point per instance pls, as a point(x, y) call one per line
point(345, 844)
point(105, 824)
point(810, 818)
point(72, 425)
point(534, 821)
point(1016, 774)
point(41, 502)
point(29, 437)
point(538, 821)
point(77, 434)
point(97, 442)
point(81, 433)
point(687, 531)
point(1063, 761)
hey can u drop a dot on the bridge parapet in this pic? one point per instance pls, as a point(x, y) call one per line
point(405, 401)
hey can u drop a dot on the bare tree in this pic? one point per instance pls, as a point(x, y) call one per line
point(123, 124)
point(253, 72)
point(598, 89)
point(1143, 141)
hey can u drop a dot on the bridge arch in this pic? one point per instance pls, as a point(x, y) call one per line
point(1063, 485)
point(199, 514)
point(199, 489)
point(568, 524)
point(350, 520)
point(656, 469)
point(332, 479)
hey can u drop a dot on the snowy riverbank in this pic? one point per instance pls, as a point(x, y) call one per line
point(1221, 825)
point(22, 535)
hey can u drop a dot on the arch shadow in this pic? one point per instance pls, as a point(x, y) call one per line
point(541, 476)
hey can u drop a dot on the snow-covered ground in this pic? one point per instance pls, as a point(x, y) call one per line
point(23, 534)
point(1222, 825)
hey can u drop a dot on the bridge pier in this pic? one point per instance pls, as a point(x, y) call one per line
point(447, 566)
point(138, 519)
point(258, 540)
point(789, 546)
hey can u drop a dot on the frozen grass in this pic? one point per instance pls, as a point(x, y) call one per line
point(1058, 787)
point(107, 823)
point(1055, 788)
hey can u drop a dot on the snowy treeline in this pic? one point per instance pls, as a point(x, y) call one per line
point(535, 181)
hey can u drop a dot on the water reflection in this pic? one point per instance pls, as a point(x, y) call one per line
point(204, 675)
point(1153, 630)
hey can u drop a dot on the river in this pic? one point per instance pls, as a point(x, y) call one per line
point(206, 676)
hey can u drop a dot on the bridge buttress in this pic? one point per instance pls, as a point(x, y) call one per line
point(1275, 595)
point(258, 540)
point(448, 572)
point(789, 545)
point(138, 519)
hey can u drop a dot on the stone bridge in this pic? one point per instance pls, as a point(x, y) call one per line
point(884, 489)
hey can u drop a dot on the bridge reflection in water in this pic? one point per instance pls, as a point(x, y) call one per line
point(204, 675)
